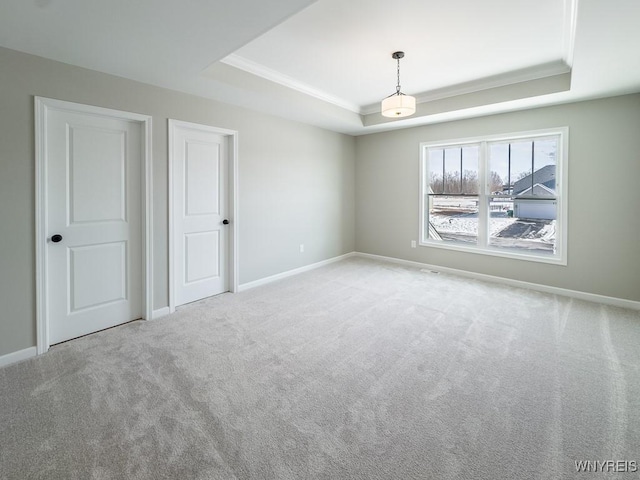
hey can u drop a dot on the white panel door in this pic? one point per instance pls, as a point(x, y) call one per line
point(94, 222)
point(199, 162)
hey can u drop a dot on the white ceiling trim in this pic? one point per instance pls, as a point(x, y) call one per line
point(527, 74)
point(510, 78)
point(254, 68)
point(570, 23)
point(561, 66)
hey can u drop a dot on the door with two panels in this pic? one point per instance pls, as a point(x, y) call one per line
point(199, 171)
point(93, 163)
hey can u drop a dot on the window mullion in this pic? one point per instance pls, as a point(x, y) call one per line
point(444, 187)
point(461, 179)
point(483, 203)
point(509, 185)
point(533, 167)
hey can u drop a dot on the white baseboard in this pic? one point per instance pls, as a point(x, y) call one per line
point(289, 273)
point(159, 313)
point(590, 297)
point(17, 356)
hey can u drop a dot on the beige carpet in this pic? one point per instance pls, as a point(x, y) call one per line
point(357, 370)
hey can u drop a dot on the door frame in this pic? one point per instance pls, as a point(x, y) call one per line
point(42, 106)
point(232, 202)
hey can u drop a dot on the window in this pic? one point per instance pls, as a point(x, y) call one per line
point(501, 195)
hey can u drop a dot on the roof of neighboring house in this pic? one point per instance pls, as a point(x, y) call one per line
point(545, 176)
point(539, 190)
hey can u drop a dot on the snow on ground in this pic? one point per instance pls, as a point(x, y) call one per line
point(548, 232)
point(459, 216)
point(468, 224)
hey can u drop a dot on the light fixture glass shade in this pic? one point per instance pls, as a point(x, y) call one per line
point(398, 105)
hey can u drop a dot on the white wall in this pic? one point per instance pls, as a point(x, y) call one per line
point(296, 182)
point(604, 170)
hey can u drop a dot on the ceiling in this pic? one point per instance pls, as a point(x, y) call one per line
point(328, 62)
point(344, 48)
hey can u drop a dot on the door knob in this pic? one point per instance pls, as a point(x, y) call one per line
point(225, 222)
point(56, 238)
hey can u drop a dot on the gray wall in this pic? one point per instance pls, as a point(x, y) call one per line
point(604, 196)
point(296, 182)
point(296, 185)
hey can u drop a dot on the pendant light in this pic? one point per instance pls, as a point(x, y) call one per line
point(398, 104)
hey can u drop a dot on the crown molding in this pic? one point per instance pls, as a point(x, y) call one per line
point(268, 74)
point(536, 72)
point(510, 78)
point(570, 23)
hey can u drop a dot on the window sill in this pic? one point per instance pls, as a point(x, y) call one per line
point(496, 252)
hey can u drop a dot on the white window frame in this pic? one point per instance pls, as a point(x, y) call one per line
point(483, 247)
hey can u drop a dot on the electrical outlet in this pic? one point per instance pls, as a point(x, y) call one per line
point(413, 244)
point(302, 248)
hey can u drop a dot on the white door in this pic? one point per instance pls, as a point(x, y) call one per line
point(199, 169)
point(94, 169)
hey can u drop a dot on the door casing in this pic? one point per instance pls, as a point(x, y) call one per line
point(42, 106)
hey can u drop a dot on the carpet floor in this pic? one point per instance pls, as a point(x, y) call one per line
point(356, 370)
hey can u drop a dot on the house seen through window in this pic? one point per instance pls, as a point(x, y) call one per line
point(500, 196)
